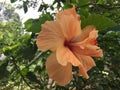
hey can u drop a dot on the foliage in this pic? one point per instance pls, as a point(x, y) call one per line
point(23, 68)
point(31, 23)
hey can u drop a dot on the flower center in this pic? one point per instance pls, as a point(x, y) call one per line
point(67, 44)
point(70, 44)
point(95, 42)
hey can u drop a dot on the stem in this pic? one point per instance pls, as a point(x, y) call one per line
point(18, 70)
point(35, 59)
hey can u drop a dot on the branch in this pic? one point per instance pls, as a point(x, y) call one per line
point(18, 70)
point(34, 60)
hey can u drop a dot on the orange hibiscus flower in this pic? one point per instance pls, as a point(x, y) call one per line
point(70, 46)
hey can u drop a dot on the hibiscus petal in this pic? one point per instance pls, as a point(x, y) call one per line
point(64, 56)
point(92, 37)
point(86, 43)
point(89, 50)
point(85, 33)
point(83, 72)
point(96, 51)
point(61, 74)
point(50, 34)
point(68, 12)
point(86, 64)
point(86, 61)
point(70, 27)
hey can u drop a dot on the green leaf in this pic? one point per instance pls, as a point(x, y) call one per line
point(34, 25)
point(25, 7)
point(12, 1)
point(40, 8)
point(83, 12)
point(24, 71)
point(83, 2)
point(100, 1)
point(7, 50)
point(1, 35)
point(3, 70)
point(99, 21)
point(67, 6)
point(43, 7)
point(28, 23)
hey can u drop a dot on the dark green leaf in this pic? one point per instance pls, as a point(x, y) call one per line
point(3, 70)
point(99, 21)
point(32, 77)
point(25, 7)
point(115, 28)
point(12, 1)
point(35, 27)
point(40, 8)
